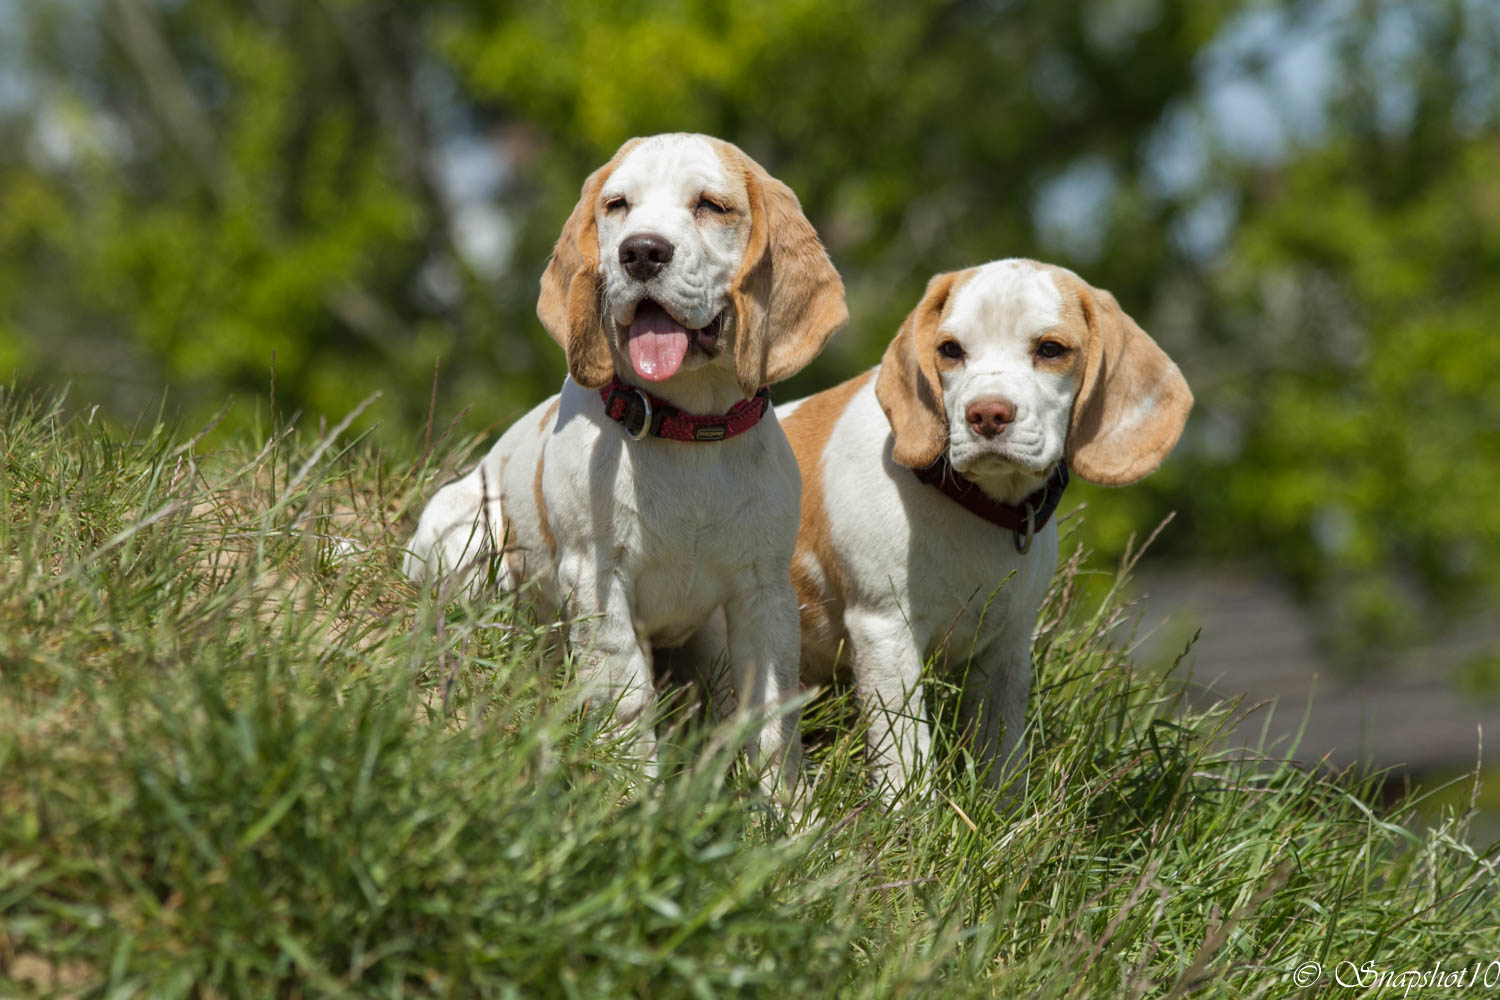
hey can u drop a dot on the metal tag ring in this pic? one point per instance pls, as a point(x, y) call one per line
point(645, 421)
point(1023, 544)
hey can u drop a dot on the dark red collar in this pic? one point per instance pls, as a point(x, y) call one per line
point(642, 415)
point(1025, 519)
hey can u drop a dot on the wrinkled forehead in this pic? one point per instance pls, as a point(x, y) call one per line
point(1005, 298)
point(677, 166)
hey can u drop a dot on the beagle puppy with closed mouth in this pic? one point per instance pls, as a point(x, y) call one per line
point(929, 486)
point(658, 487)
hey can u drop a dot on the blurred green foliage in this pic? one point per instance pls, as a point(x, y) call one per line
point(194, 192)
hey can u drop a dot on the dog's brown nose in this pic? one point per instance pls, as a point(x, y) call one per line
point(644, 255)
point(988, 417)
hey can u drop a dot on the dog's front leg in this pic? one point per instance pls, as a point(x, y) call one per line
point(888, 681)
point(614, 673)
point(993, 707)
point(764, 646)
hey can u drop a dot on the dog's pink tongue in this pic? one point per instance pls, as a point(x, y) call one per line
point(657, 344)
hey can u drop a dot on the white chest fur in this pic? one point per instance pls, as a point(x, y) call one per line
point(952, 577)
point(678, 523)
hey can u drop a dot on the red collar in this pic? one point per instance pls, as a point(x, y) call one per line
point(642, 414)
point(1025, 519)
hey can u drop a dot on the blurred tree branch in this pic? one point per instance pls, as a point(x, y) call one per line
point(133, 25)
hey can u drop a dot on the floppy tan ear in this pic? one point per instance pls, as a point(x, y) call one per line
point(571, 304)
point(788, 299)
point(1133, 402)
point(908, 387)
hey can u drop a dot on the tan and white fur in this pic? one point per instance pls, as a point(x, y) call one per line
point(889, 571)
point(639, 542)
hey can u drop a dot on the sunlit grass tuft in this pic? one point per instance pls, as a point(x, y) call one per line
point(241, 756)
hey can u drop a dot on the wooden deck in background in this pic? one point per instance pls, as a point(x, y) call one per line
point(1256, 641)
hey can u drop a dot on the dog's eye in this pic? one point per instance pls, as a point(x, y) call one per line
point(707, 204)
point(951, 349)
point(1051, 349)
point(615, 204)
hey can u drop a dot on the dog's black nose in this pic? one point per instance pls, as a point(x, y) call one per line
point(644, 255)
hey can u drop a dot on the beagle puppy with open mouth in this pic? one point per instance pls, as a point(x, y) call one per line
point(930, 483)
point(658, 487)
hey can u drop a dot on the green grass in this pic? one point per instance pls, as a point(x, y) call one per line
point(241, 756)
